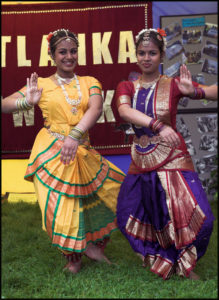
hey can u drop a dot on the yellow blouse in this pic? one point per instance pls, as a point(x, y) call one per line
point(56, 111)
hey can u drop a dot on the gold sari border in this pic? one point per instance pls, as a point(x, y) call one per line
point(151, 160)
point(147, 232)
point(164, 267)
point(162, 100)
point(186, 215)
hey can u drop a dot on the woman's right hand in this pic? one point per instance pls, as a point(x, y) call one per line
point(69, 150)
point(169, 136)
point(33, 94)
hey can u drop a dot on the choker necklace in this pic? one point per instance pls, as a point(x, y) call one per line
point(73, 102)
point(64, 79)
point(147, 85)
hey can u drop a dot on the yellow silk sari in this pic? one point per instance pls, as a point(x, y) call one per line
point(77, 201)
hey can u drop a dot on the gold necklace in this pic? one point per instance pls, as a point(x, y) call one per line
point(147, 85)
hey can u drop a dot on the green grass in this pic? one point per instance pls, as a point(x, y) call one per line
point(32, 268)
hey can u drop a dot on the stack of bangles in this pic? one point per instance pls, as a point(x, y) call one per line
point(156, 125)
point(22, 104)
point(76, 134)
point(199, 93)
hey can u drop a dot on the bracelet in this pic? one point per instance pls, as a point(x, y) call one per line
point(76, 134)
point(199, 93)
point(151, 124)
point(22, 104)
point(156, 125)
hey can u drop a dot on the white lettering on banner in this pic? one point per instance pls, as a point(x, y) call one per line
point(100, 48)
point(44, 55)
point(126, 41)
point(107, 110)
point(21, 52)
point(81, 50)
point(28, 116)
point(5, 40)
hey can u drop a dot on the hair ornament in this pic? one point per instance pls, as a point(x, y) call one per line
point(67, 37)
point(49, 36)
point(161, 31)
point(146, 32)
point(146, 38)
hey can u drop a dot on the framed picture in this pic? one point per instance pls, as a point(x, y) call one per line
point(192, 40)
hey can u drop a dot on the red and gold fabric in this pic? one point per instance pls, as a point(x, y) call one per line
point(162, 208)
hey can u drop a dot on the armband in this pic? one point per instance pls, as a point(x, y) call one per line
point(124, 99)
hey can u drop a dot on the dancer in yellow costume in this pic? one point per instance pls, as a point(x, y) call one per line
point(76, 187)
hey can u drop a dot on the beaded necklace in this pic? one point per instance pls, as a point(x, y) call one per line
point(73, 102)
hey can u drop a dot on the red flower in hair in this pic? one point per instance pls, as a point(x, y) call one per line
point(49, 36)
point(161, 32)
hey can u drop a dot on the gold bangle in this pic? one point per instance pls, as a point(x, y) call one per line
point(75, 134)
point(79, 130)
point(22, 104)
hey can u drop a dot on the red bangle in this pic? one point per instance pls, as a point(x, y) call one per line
point(199, 94)
point(156, 125)
point(151, 124)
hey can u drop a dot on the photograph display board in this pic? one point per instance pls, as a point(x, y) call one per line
point(200, 134)
point(192, 40)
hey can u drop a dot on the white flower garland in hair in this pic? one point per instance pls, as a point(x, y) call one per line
point(54, 33)
point(149, 30)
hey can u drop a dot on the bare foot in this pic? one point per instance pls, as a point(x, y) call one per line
point(73, 267)
point(193, 276)
point(95, 253)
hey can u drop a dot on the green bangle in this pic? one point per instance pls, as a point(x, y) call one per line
point(22, 104)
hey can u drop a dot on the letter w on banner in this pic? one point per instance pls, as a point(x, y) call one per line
point(106, 33)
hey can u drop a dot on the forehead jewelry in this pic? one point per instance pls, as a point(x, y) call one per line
point(160, 35)
point(146, 38)
point(68, 38)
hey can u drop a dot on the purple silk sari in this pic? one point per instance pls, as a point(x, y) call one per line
point(143, 207)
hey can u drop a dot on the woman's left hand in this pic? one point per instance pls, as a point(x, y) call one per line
point(69, 150)
point(185, 84)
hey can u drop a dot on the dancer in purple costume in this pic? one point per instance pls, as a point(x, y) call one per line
point(162, 208)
